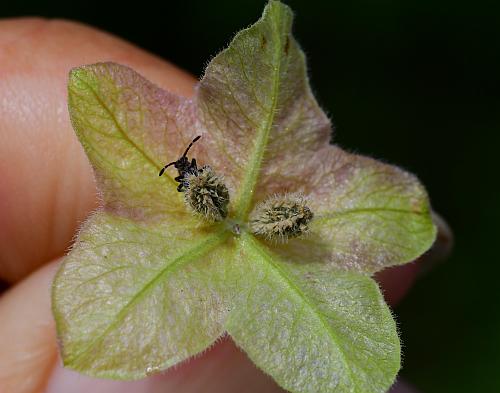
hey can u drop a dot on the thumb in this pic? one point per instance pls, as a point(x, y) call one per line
point(29, 363)
point(27, 334)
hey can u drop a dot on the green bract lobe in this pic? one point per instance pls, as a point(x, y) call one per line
point(281, 217)
point(207, 195)
point(149, 284)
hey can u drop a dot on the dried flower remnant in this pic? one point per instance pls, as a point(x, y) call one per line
point(281, 217)
point(207, 195)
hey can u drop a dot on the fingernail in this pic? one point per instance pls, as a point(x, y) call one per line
point(442, 247)
point(402, 387)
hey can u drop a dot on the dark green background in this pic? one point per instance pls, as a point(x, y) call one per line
point(413, 82)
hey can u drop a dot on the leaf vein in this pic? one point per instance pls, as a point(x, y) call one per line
point(303, 298)
point(120, 128)
point(201, 248)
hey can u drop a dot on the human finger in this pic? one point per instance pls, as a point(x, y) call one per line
point(29, 363)
point(27, 334)
point(397, 281)
point(47, 187)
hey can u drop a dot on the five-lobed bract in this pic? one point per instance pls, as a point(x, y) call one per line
point(148, 284)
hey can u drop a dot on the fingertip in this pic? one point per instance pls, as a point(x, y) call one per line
point(221, 369)
point(27, 334)
point(396, 281)
point(402, 387)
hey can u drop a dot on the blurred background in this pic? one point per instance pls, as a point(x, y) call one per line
point(414, 82)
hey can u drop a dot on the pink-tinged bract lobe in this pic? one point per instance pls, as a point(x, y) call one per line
point(150, 283)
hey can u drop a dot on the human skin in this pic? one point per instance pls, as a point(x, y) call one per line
point(47, 190)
